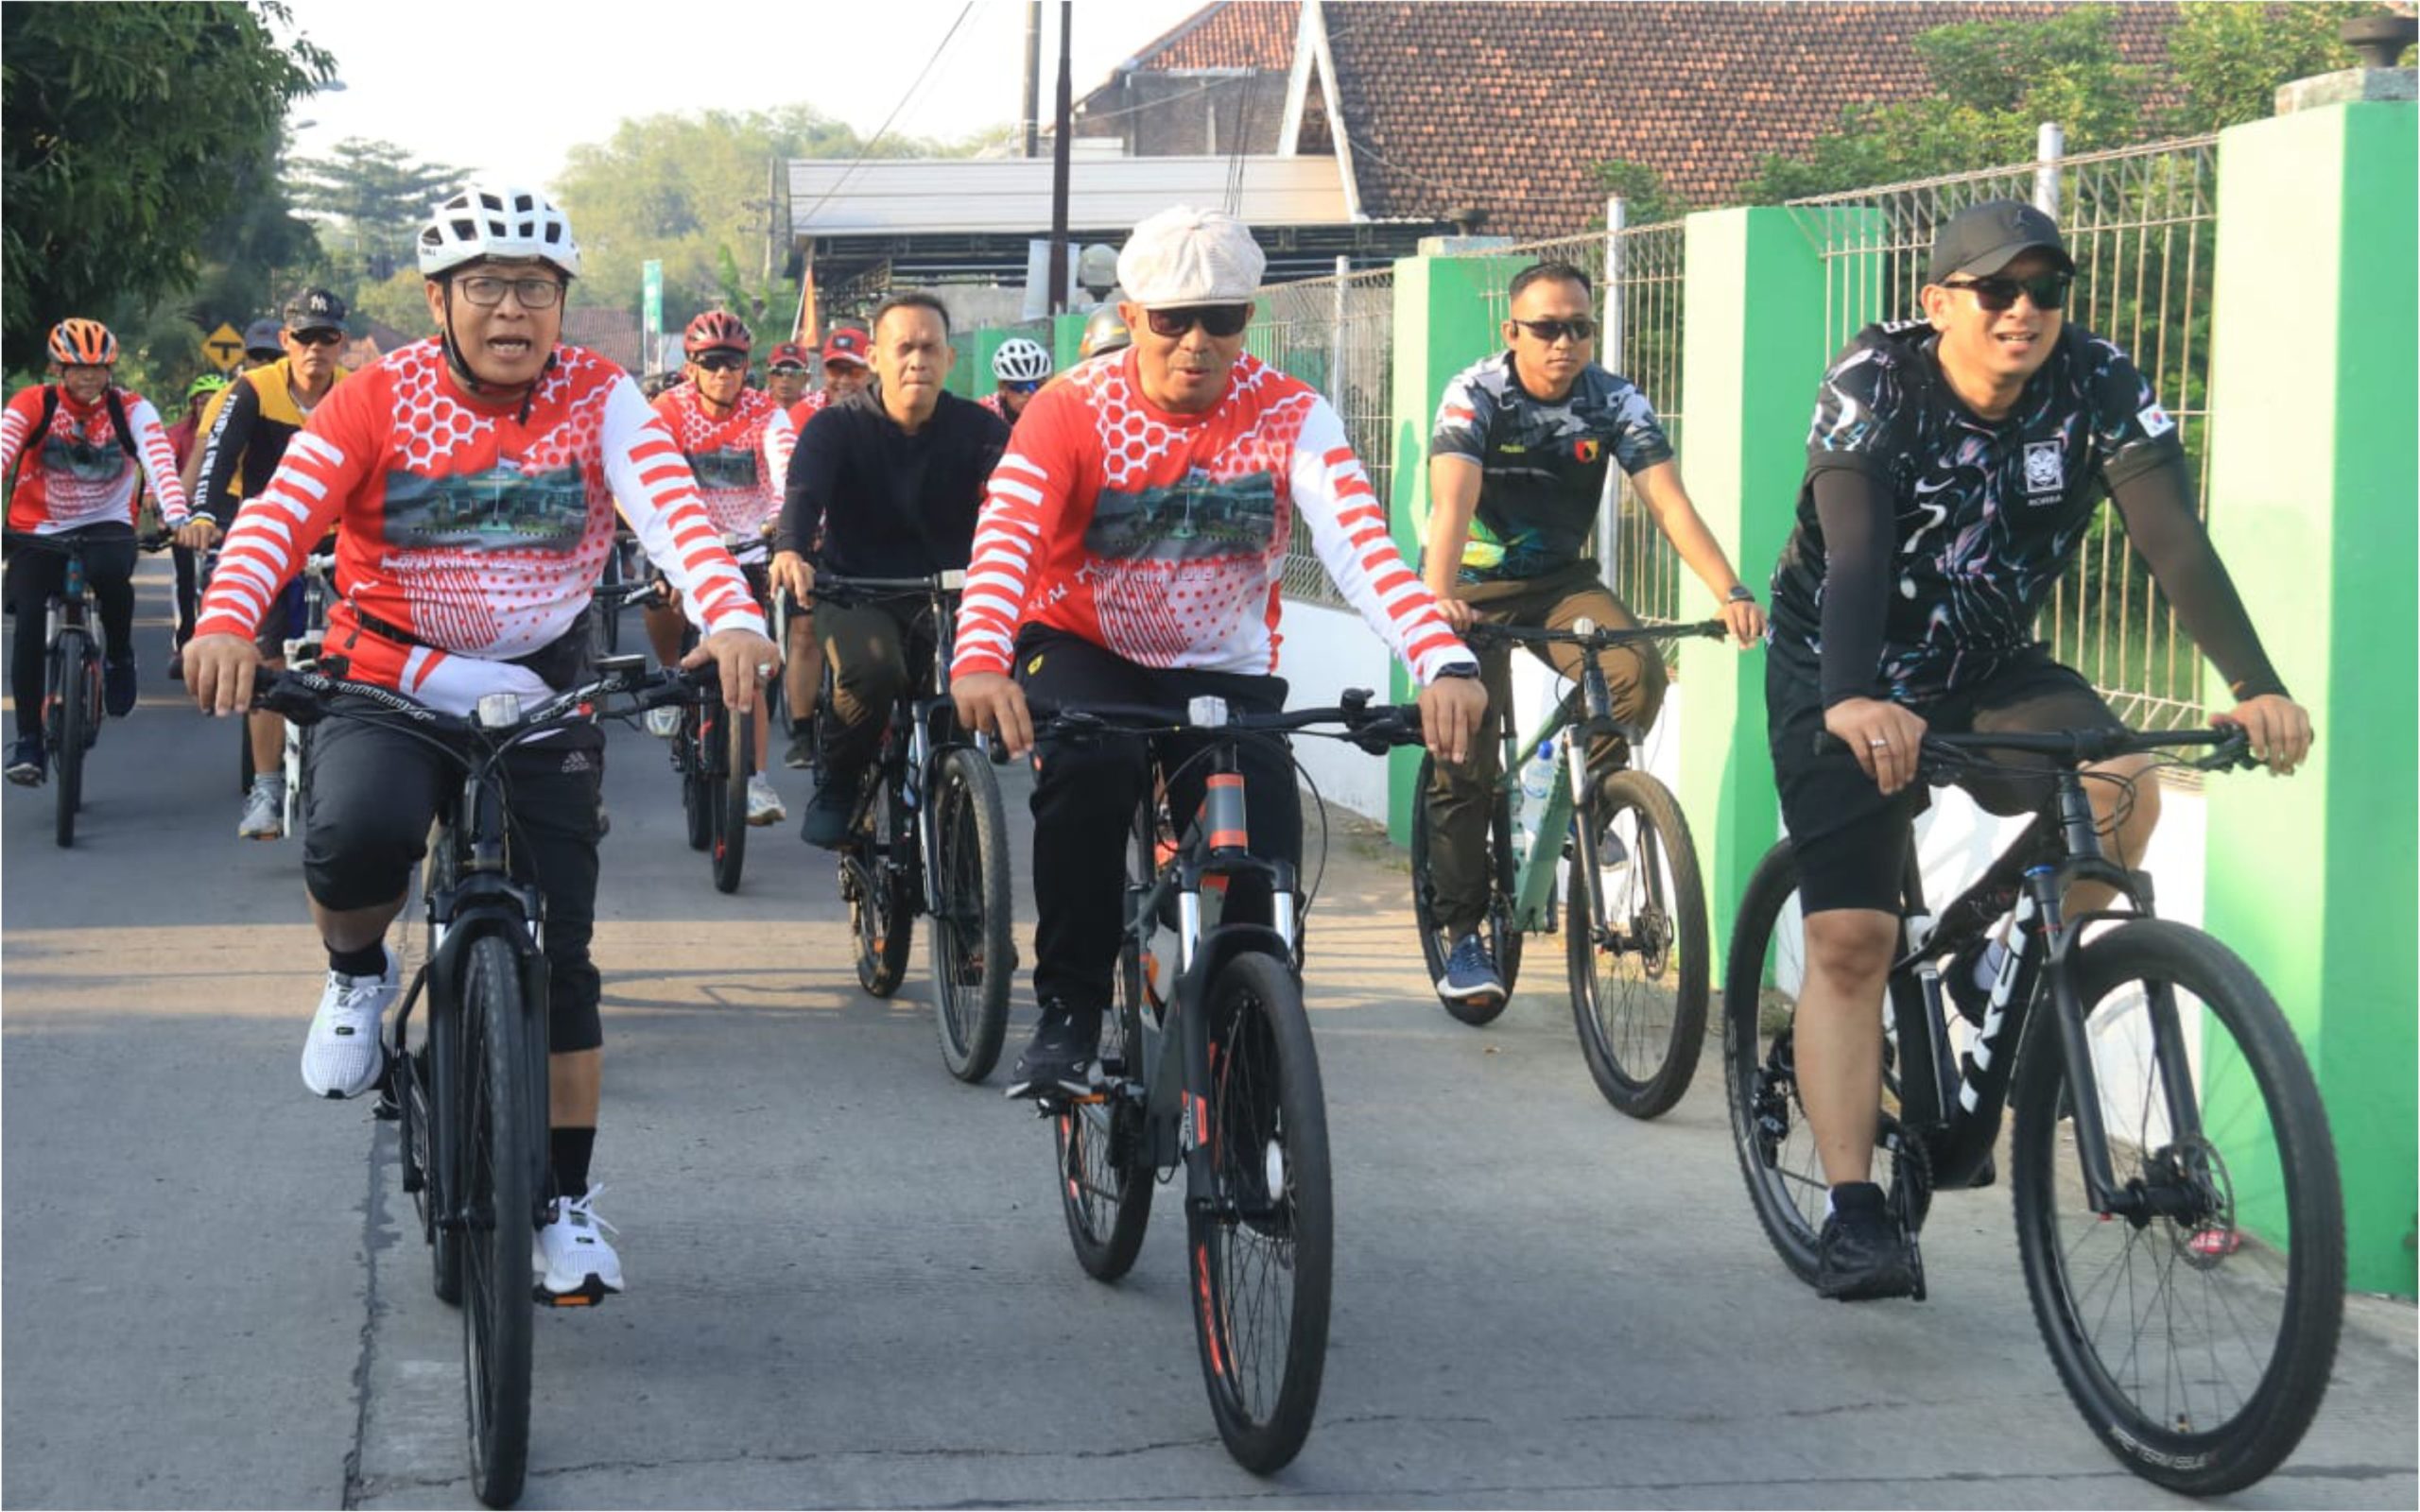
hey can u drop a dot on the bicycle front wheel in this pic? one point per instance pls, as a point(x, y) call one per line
point(495, 1179)
point(696, 790)
point(2195, 1335)
point(729, 792)
point(1105, 1162)
point(869, 883)
point(1636, 947)
point(1499, 930)
point(1262, 1233)
point(69, 716)
point(973, 956)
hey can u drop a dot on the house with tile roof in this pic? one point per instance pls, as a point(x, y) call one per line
point(1493, 116)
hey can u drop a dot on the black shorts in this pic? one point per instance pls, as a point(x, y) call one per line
point(1851, 838)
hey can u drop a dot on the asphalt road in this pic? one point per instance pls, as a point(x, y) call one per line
point(849, 1283)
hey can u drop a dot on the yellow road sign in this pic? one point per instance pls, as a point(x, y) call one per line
point(223, 348)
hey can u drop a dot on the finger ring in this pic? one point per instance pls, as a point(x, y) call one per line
point(764, 669)
point(1879, 745)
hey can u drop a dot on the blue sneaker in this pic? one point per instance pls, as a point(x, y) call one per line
point(27, 761)
point(117, 687)
point(1470, 974)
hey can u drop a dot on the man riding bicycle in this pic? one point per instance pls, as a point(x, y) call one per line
point(1954, 465)
point(844, 374)
point(86, 446)
point(1516, 465)
point(738, 443)
point(891, 480)
point(1095, 579)
point(416, 460)
point(245, 435)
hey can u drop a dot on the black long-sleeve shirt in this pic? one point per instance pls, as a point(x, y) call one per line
point(889, 504)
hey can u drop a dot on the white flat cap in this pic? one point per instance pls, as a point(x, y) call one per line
point(1185, 255)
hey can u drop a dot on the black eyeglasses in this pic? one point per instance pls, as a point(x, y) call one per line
point(316, 338)
point(1218, 320)
point(2048, 291)
point(721, 361)
point(533, 293)
point(1579, 328)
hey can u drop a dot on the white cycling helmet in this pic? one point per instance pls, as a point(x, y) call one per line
point(1020, 361)
point(497, 220)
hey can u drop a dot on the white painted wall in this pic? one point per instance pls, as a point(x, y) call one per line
point(1321, 652)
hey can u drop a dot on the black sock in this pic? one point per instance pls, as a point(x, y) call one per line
point(370, 960)
point(571, 1148)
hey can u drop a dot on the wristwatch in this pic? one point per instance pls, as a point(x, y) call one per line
point(1460, 669)
point(1740, 593)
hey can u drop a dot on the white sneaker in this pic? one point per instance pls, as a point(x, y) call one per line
point(764, 805)
point(574, 1264)
point(662, 723)
point(264, 811)
point(343, 1057)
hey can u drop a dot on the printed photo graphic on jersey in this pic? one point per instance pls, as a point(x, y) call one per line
point(503, 509)
point(69, 456)
point(724, 468)
point(1196, 520)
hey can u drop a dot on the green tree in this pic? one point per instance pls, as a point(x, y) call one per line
point(125, 131)
point(691, 189)
point(2229, 58)
point(1993, 84)
point(375, 195)
point(1649, 196)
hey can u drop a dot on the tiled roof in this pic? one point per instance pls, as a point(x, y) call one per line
point(1510, 106)
point(1230, 34)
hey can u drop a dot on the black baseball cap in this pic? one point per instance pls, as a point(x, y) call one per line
point(1981, 239)
point(314, 310)
point(261, 335)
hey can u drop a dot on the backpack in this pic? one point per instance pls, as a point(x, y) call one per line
point(117, 418)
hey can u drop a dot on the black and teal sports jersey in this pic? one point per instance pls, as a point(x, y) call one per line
point(1985, 515)
point(1542, 463)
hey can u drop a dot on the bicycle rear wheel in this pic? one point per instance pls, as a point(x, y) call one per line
point(871, 884)
point(1261, 1224)
point(69, 714)
point(496, 1181)
point(729, 794)
point(1105, 1167)
point(973, 955)
point(1638, 985)
point(1499, 932)
point(2196, 1342)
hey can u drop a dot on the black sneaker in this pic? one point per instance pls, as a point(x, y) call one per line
point(1864, 1252)
point(1058, 1059)
point(826, 824)
point(117, 686)
point(801, 752)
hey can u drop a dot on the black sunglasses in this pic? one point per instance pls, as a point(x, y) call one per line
point(1579, 328)
point(1218, 320)
point(721, 361)
point(786, 370)
point(2048, 291)
point(318, 338)
point(1032, 385)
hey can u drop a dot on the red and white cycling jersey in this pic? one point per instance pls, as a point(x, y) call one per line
point(77, 474)
point(740, 460)
point(477, 533)
point(1162, 536)
point(808, 407)
point(991, 403)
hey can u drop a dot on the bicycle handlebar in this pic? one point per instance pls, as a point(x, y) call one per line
point(66, 547)
point(305, 698)
point(948, 581)
point(1588, 634)
point(1944, 753)
point(1374, 728)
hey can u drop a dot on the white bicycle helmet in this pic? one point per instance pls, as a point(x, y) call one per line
point(497, 220)
point(1020, 361)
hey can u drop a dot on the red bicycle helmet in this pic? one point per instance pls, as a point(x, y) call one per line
point(81, 343)
point(715, 329)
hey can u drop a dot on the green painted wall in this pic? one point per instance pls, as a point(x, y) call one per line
point(2313, 486)
point(1754, 346)
point(1442, 325)
point(1066, 340)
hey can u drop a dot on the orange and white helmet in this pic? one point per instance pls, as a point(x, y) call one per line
point(81, 343)
point(497, 220)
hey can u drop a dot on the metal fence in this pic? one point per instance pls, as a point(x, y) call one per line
point(1336, 334)
point(2141, 224)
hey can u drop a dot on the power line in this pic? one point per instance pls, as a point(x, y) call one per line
point(867, 151)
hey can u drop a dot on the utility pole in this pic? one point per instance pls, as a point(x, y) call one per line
point(1058, 164)
point(1033, 78)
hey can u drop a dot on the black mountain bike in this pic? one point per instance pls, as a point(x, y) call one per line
point(1635, 951)
point(2178, 1214)
point(469, 1098)
point(74, 650)
point(1210, 1065)
point(929, 835)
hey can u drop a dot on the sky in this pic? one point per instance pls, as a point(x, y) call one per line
point(412, 76)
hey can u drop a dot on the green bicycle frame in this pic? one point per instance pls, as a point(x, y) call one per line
point(1533, 884)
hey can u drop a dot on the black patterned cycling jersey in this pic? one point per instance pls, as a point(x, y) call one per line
point(1985, 515)
point(1542, 463)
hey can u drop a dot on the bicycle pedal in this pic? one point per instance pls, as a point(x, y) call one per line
point(587, 1294)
